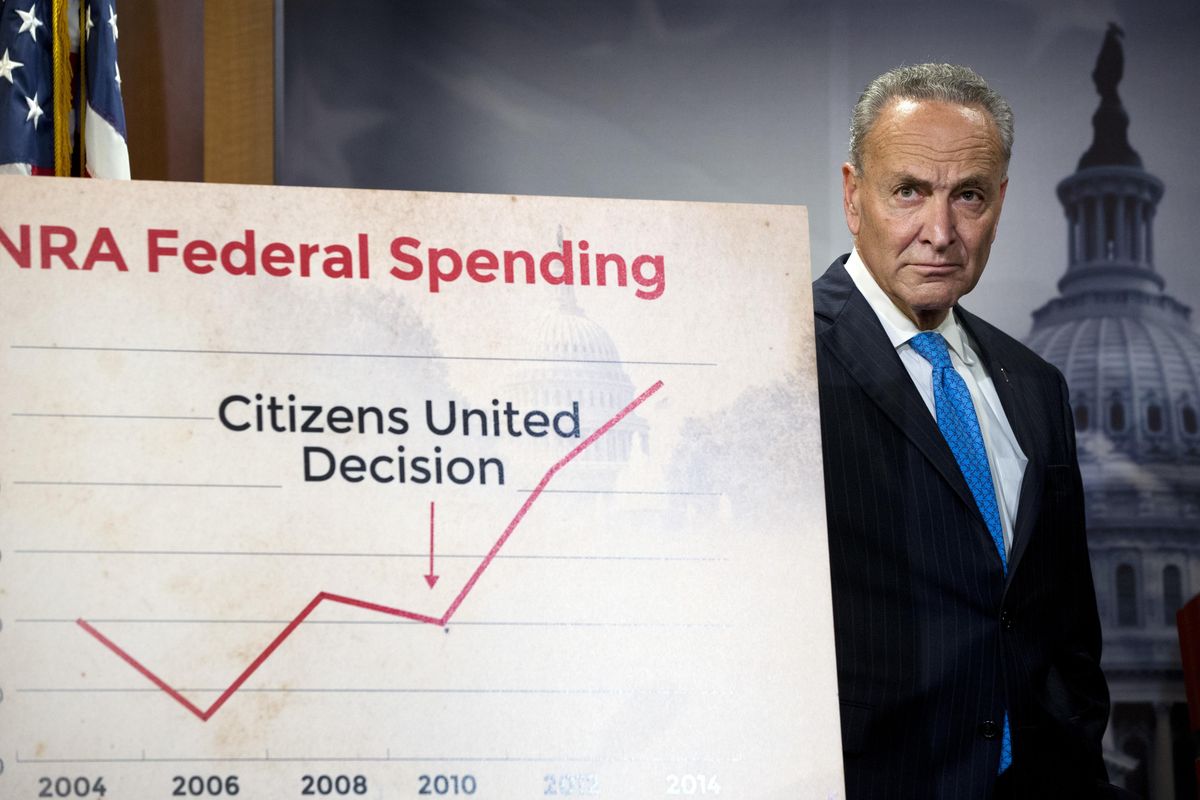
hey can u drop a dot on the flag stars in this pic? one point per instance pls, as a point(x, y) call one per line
point(35, 111)
point(112, 22)
point(117, 67)
point(29, 21)
point(7, 65)
point(88, 24)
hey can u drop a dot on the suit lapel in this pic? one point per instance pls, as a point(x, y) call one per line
point(1024, 422)
point(859, 343)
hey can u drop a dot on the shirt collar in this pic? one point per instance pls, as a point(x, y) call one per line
point(898, 327)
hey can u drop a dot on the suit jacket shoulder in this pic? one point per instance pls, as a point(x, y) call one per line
point(1005, 349)
point(834, 293)
point(831, 291)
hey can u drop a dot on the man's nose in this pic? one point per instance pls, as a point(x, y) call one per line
point(938, 230)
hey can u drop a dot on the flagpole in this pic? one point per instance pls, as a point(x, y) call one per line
point(81, 115)
point(62, 88)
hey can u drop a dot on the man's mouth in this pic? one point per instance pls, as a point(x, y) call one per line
point(936, 268)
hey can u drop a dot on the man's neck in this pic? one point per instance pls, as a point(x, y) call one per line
point(925, 320)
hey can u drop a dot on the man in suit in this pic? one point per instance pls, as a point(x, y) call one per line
point(968, 642)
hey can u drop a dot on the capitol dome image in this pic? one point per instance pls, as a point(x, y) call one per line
point(1131, 359)
point(572, 358)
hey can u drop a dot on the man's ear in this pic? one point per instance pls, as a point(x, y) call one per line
point(850, 190)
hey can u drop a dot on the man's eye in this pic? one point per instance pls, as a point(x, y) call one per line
point(906, 192)
point(970, 195)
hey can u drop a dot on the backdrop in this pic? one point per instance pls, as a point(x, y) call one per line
point(729, 100)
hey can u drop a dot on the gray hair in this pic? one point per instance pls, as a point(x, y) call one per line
point(946, 83)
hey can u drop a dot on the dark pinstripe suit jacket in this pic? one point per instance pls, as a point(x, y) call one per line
point(934, 642)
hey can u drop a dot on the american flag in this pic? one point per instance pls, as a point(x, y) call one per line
point(27, 88)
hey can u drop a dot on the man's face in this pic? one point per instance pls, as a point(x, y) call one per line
point(924, 207)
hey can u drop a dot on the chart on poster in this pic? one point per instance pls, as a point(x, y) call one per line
point(310, 492)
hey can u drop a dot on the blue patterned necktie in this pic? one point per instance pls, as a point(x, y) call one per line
point(960, 427)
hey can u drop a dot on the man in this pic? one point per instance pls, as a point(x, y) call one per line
point(968, 642)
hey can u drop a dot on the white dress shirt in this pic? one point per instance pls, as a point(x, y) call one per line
point(1005, 458)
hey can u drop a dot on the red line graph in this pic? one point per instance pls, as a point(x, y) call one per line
point(326, 597)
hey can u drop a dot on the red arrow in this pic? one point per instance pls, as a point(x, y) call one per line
point(431, 579)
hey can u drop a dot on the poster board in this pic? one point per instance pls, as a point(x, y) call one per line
point(386, 494)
